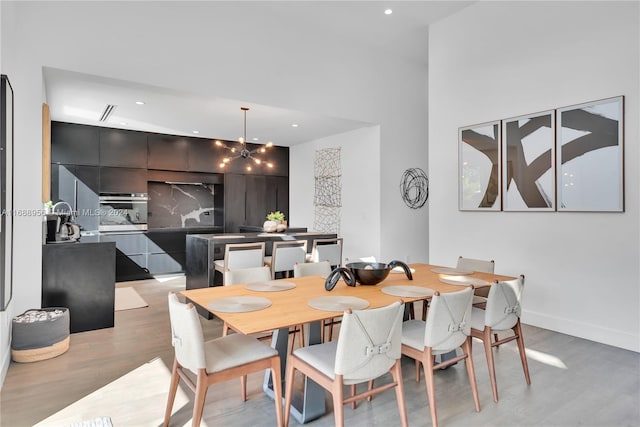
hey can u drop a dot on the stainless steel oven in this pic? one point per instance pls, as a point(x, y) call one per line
point(123, 212)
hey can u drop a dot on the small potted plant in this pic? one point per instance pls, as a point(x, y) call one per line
point(275, 222)
point(276, 216)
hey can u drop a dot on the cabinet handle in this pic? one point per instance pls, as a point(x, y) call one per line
point(75, 196)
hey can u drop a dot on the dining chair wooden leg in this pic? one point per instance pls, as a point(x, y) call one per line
point(225, 329)
point(488, 350)
point(427, 363)
point(201, 394)
point(243, 388)
point(353, 393)
point(173, 388)
point(396, 374)
point(338, 398)
point(417, 362)
point(412, 314)
point(523, 354)
point(330, 329)
point(277, 388)
point(370, 387)
point(466, 347)
point(288, 389)
point(425, 304)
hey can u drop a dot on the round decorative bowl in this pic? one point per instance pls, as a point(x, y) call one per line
point(372, 273)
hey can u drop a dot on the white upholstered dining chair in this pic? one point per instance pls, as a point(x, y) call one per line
point(447, 328)
point(303, 269)
point(213, 361)
point(502, 313)
point(240, 256)
point(285, 255)
point(483, 266)
point(367, 348)
point(327, 250)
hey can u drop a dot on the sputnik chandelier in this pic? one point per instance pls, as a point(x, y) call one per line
point(242, 152)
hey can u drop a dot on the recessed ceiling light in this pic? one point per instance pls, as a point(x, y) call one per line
point(254, 139)
point(295, 125)
point(140, 102)
point(124, 123)
point(388, 11)
point(195, 131)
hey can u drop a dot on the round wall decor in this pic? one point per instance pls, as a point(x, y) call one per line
point(414, 188)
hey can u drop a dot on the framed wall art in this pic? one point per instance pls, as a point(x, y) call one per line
point(590, 156)
point(6, 191)
point(528, 162)
point(479, 167)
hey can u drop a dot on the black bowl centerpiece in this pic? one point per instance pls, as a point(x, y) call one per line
point(365, 273)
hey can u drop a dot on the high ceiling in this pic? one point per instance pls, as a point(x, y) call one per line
point(81, 98)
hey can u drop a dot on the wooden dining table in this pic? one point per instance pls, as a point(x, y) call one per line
point(291, 307)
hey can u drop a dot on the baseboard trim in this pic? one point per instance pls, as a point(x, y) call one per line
point(590, 331)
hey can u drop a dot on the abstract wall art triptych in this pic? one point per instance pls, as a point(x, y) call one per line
point(568, 159)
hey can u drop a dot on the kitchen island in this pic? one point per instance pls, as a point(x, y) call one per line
point(203, 249)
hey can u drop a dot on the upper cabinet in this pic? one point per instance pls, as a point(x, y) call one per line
point(123, 148)
point(204, 156)
point(168, 152)
point(75, 144)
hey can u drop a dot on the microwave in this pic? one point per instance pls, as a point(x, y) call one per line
point(123, 212)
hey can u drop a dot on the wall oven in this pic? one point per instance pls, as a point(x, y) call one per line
point(123, 212)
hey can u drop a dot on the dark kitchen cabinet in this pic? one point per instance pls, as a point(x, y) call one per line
point(249, 198)
point(235, 193)
point(80, 276)
point(74, 144)
point(78, 186)
point(123, 180)
point(123, 148)
point(204, 155)
point(167, 152)
point(131, 255)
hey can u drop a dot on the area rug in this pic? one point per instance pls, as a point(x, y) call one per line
point(128, 298)
point(136, 399)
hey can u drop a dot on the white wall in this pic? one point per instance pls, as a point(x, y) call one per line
point(497, 60)
point(232, 50)
point(5, 316)
point(360, 162)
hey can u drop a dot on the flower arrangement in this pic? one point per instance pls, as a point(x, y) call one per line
point(275, 216)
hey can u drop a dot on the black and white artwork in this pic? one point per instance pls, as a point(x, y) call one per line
point(528, 168)
point(414, 188)
point(479, 167)
point(327, 200)
point(6, 191)
point(590, 156)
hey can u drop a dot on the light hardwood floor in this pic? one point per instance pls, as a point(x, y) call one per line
point(122, 372)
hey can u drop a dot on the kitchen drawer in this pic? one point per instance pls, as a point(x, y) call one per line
point(127, 243)
point(173, 262)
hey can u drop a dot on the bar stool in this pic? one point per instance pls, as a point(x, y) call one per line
point(327, 250)
point(240, 255)
point(285, 255)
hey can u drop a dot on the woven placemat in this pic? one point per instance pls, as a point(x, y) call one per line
point(270, 286)
point(240, 304)
point(338, 303)
point(407, 291)
point(451, 271)
point(464, 281)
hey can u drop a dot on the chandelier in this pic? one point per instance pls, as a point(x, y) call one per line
point(242, 152)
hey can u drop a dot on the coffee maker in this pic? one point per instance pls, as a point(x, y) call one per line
point(60, 226)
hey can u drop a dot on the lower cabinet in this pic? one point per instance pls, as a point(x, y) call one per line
point(131, 255)
point(141, 255)
point(80, 276)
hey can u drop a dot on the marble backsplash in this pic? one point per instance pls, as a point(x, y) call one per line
point(185, 205)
